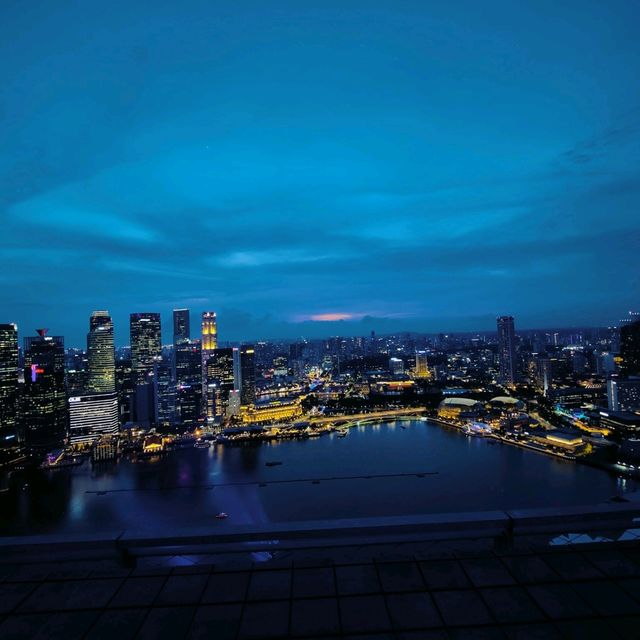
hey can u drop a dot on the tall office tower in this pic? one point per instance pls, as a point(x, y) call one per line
point(45, 400)
point(247, 375)
point(209, 332)
point(188, 362)
point(623, 394)
point(164, 394)
point(125, 389)
point(396, 366)
point(92, 416)
point(189, 404)
point(507, 349)
point(181, 327)
point(146, 344)
point(208, 344)
point(8, 385)
point(101, 354)
point(422, 367)
point(630, 348)
point(220, 383)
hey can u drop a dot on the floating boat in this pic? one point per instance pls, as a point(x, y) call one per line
point(273, 463)
point(222, 515)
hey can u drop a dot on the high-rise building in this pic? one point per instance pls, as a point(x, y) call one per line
point(422, 366)
point(8, 385)
point(181, 327)
point(396, 366)
point(630, 348)
point(507, 350)
point(220, 383)
point(209, 332)
point(623, 394)
point(101, 354)
point(92, 416)
point(164, 394)
point(125, 389)
point(247, 375)
point(189, 404)
point(146, 344)
point(188, 362)
point(45, 401)
point(208, 344)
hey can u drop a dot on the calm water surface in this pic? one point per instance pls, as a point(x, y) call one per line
point(188, 487)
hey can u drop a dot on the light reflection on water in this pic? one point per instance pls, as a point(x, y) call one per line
point(188, 487)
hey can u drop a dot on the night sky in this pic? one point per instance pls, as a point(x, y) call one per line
point(401, 165)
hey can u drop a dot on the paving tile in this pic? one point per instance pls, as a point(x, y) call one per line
point(191, 569)
point(70, 571)
point(265, 620)
point(626, 627)
point(607, 598)
point(476, 633)
point(19, 627)
point(170, 623)
point(122, 624)
point(462, 608)
point(400, 576)
point(182, 589)
point(425, 634)
point(412, 611)
point(559, 601)
point(67, 624)
point(71, 594)
point(572, 566)
point(529, 569)
point(225, 587)
point(313, 617)
point(42, 626)
point(357, 579)
point(631, 585)
point(586, 630)
point(542, 631)
point(444, 574)
point(613, 563)
point(12, 594)
point(309, 583)
point(138, 592)
point(487, 572)
point(215, 621)
point(363, 614)
point(29, 572)
point(269, 585)
point(511, 605)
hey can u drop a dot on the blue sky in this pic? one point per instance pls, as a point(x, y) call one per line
point(402, 165)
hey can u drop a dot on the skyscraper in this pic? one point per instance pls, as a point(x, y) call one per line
point(507, 349)
point(45, 401)
point(247, 375)
point(146, 344)
point(422, 367)
point(101, 354)
point(630, 348)
point(208, 344)
point(220, 383)
point(164, 394)
point(181, 328)
point(8, 384)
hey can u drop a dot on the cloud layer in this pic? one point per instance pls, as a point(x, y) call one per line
point(377, 166)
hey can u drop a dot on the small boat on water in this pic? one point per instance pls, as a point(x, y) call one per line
point(222, 516)
point(273, 463)
point(202, 444)
point(402, 426)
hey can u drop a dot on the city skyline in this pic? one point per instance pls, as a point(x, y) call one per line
point(427, 167)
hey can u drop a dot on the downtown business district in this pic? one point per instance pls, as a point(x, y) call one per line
point(574, 394)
